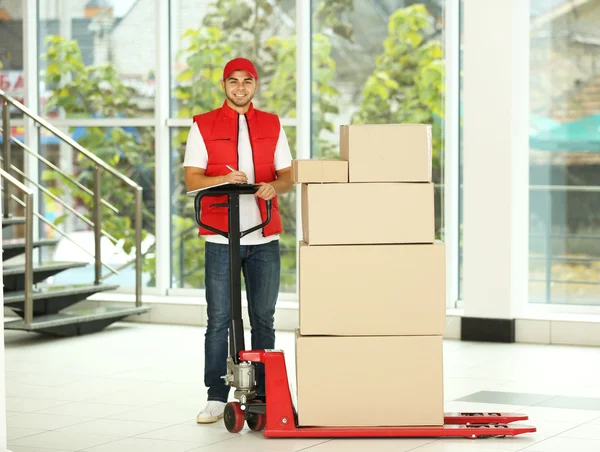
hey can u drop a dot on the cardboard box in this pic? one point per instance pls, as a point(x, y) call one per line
point(349, 214)
point(387, 152)
point(369, 381)
point(372, 290)
point(320, 171)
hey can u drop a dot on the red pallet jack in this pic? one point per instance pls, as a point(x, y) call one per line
point(278, 417)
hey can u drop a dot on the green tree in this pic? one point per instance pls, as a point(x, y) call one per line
point(245, 28)
point(407, 84)
point(95, 92)
point(328, 15)
point(231, 28)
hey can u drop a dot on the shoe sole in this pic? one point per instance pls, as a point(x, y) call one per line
point(208, 420)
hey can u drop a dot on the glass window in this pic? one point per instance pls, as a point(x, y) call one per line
point(98, 49)
point(202, 41)
point(368, 63)
point(125, 149)
point(12, 80)
point(188, 248)
point(10, 206)
point(564, 253)
point(288, 242)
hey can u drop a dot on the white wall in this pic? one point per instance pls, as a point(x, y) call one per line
point(12, 7)
point(495, 157)
point(54, 9)
point(133, 41)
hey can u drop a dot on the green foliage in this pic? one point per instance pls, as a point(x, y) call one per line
point(235, 28)
point(187, 251)
point(407, 84)
point(198, 87)
point(329, 13)
point(96, 91)
point(324, 70)
point(405, 87)
point(93, 91)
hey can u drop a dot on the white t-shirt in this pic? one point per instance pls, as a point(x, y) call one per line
point(196, 155)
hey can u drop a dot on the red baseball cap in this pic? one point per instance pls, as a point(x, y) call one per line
point(240, 64)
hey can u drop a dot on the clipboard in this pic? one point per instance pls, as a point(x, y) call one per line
point(198, 190)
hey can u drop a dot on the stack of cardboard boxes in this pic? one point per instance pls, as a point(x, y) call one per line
point(372, 283)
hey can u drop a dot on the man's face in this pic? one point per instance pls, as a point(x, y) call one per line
point(240, 88)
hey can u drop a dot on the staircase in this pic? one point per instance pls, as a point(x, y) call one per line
point(39, 305)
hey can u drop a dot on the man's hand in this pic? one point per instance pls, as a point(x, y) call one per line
point(236, 177)
point(266, 191)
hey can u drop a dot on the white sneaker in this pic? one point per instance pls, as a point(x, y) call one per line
point(212, 412)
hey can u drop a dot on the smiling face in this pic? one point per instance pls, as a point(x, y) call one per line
point(239, 88)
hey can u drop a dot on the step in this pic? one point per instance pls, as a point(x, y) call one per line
point(9, 221)
point(76, 321)
point(52, 299)
point(16, 247)
point(14, 275)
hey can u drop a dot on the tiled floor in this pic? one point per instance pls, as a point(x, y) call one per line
point(138, 387)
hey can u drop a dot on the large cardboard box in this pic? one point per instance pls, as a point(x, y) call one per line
point(349, 214)
point(369, 381)
point(372, 290)
point(387, 152)
point(319, 171)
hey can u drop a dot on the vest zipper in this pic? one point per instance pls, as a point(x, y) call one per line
point(253, 164)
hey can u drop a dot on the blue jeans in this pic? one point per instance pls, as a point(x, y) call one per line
point(261, 269)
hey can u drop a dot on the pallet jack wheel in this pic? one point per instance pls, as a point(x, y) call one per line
point(233, 416)
point(256, 421)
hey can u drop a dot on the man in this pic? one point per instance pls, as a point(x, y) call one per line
point(238, 144)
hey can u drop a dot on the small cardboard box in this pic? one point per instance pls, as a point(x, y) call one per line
point(320, 171)
point(372, 290)
point(378, 213)
point(387, 152)
point(369, 381)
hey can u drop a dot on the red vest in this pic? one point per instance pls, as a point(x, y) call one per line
point(219, 129)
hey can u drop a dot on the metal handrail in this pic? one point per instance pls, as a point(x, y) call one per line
point(566, 236)
point(66, 236)
point(565, 259)
point(99, 165)
point(568, 281)
point(549, 191)
point(59, 171)
point(28, 289)
point(62, 203)
point(581, 188)
point(131, 261)
point(67, 139)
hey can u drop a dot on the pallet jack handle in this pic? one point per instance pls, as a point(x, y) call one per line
point(233, 192)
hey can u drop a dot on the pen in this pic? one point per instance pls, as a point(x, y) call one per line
point(230, 167)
